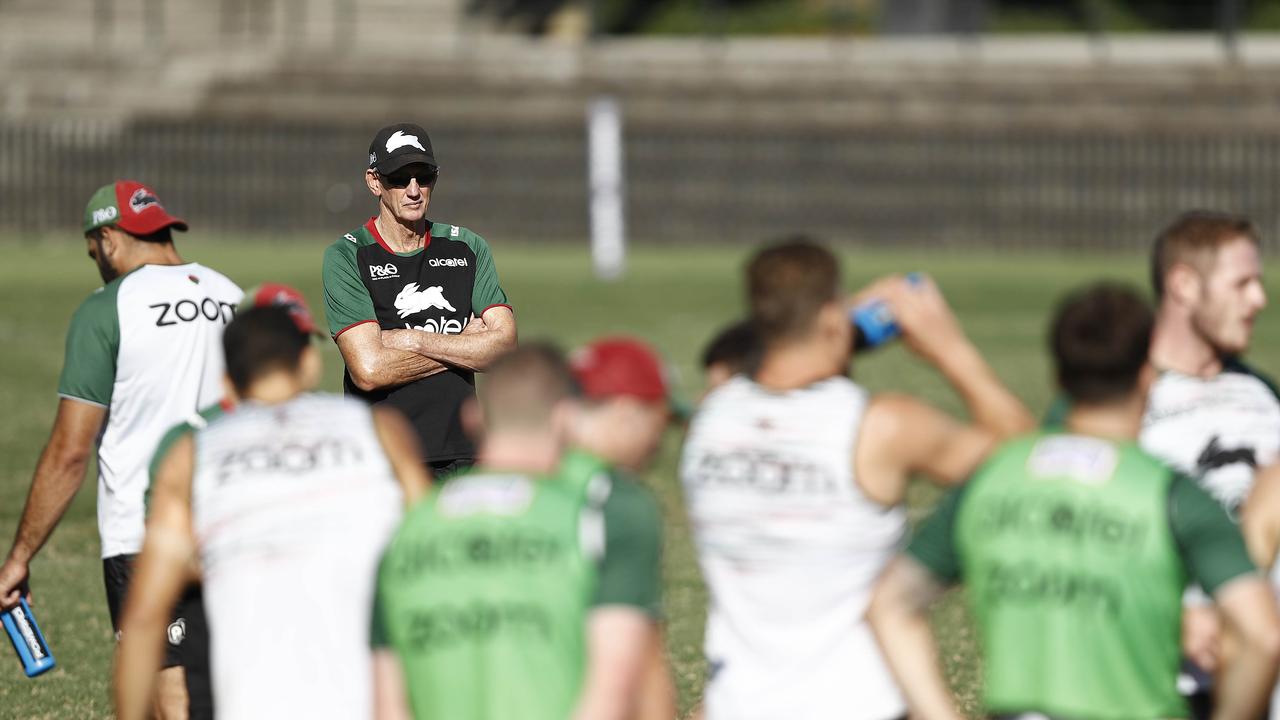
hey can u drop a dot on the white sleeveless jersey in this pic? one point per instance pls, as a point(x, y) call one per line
point(148, 347)
point(790, 548)
point(293, 505)
point(1216, 430)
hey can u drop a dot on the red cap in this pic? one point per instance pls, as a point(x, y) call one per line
point(620, 366)
point(277, 295)
point(140, 210)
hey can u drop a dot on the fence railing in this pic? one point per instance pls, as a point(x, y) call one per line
point(739, 183)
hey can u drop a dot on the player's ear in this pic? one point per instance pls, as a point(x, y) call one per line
point(311, 366)
point(1183, 284)
point(372, 182)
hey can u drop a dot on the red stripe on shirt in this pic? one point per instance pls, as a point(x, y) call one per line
point(372, 227)
point(335, 337)
point(482, 312)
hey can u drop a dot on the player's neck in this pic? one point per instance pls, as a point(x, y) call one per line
point(274, 388)
point(1176, 346)
point(535, 453)
point(145, 253)
point(796, 365)
point(401, 235)
point(1113, 421)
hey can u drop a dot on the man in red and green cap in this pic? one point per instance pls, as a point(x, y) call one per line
point(627, 406)
point(142, 353)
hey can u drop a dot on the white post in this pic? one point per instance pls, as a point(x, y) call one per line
point(604, 157)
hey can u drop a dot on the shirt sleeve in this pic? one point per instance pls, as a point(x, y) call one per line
point(487, 291)
point(630, 572)
point(934, 542)
point(346, 299)
point(93, 342)
point(1210, 544)
point(377, 622)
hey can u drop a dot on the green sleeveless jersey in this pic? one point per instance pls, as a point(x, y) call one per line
point(484, 591)
point(1076, 551)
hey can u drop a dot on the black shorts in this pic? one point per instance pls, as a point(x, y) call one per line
point(187, 634)
point(444, 469)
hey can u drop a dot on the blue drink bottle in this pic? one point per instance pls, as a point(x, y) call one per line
point(873, 322)
point(27, 639)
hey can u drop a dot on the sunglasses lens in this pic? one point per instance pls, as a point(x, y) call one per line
point(401, 179)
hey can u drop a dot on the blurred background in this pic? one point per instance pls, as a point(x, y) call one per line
point(1006, 123)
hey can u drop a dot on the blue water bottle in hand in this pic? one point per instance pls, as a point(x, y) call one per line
point(873, 321)
point(27, 639)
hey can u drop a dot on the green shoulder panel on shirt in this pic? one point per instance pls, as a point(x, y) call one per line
point(93, 344)
point(346, 299)
point(630, 573)
point(1210, 544)
point(172, 436)
point(487, 291)
point(934, 542)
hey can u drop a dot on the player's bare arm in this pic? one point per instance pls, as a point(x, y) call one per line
point(473, 349)
point(1260, 517)
point(389, 691)
point(901, 435)
point(899, 616)
point(164, 567)
point(374, 366)
point(619, 645)
point(58, 476)
point(658, 692)
point(1248, 609)
point(401, 445)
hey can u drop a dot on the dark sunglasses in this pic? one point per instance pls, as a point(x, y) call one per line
point(401, 178)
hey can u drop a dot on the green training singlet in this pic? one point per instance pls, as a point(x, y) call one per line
point(484, 591)
point(1075, 579)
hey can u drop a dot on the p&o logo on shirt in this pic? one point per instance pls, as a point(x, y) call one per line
point(384, 272)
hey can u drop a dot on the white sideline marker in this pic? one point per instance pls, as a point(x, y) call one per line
point(604, 159)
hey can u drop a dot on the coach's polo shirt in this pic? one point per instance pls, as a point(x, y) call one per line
point(436, 289)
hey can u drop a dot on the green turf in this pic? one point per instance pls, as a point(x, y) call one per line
point(675, 297)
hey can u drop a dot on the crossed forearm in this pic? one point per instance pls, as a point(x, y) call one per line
point(471, 351)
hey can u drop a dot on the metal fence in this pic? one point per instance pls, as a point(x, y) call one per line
point(891, 185)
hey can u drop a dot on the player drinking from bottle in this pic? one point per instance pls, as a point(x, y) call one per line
point(1075, 546)
point(282, 507)
point(795, 478)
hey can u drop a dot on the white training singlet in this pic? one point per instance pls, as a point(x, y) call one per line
point(148, 347)
point(293, 505)
point(790, 548)
point(1216, 430)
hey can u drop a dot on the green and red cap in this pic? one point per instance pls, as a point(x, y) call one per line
point(130, 206)
point(279, 295)
point(624, 367)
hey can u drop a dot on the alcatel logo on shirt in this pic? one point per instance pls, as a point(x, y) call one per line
point(447, 262)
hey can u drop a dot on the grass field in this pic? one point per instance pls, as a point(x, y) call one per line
point(675, 297)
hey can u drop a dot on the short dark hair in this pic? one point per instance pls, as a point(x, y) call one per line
point(262, 340)
point(1100, 339)
point(787, 283)
point(736, 346)
point(523, 386)
point(1194, 239)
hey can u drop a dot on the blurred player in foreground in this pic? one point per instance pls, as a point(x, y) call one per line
point(1075, 546)
point(519, 589)
point(282, 507)
point(627, 406)
point(1209, 416)
point(795, 478)
point(142, 354)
